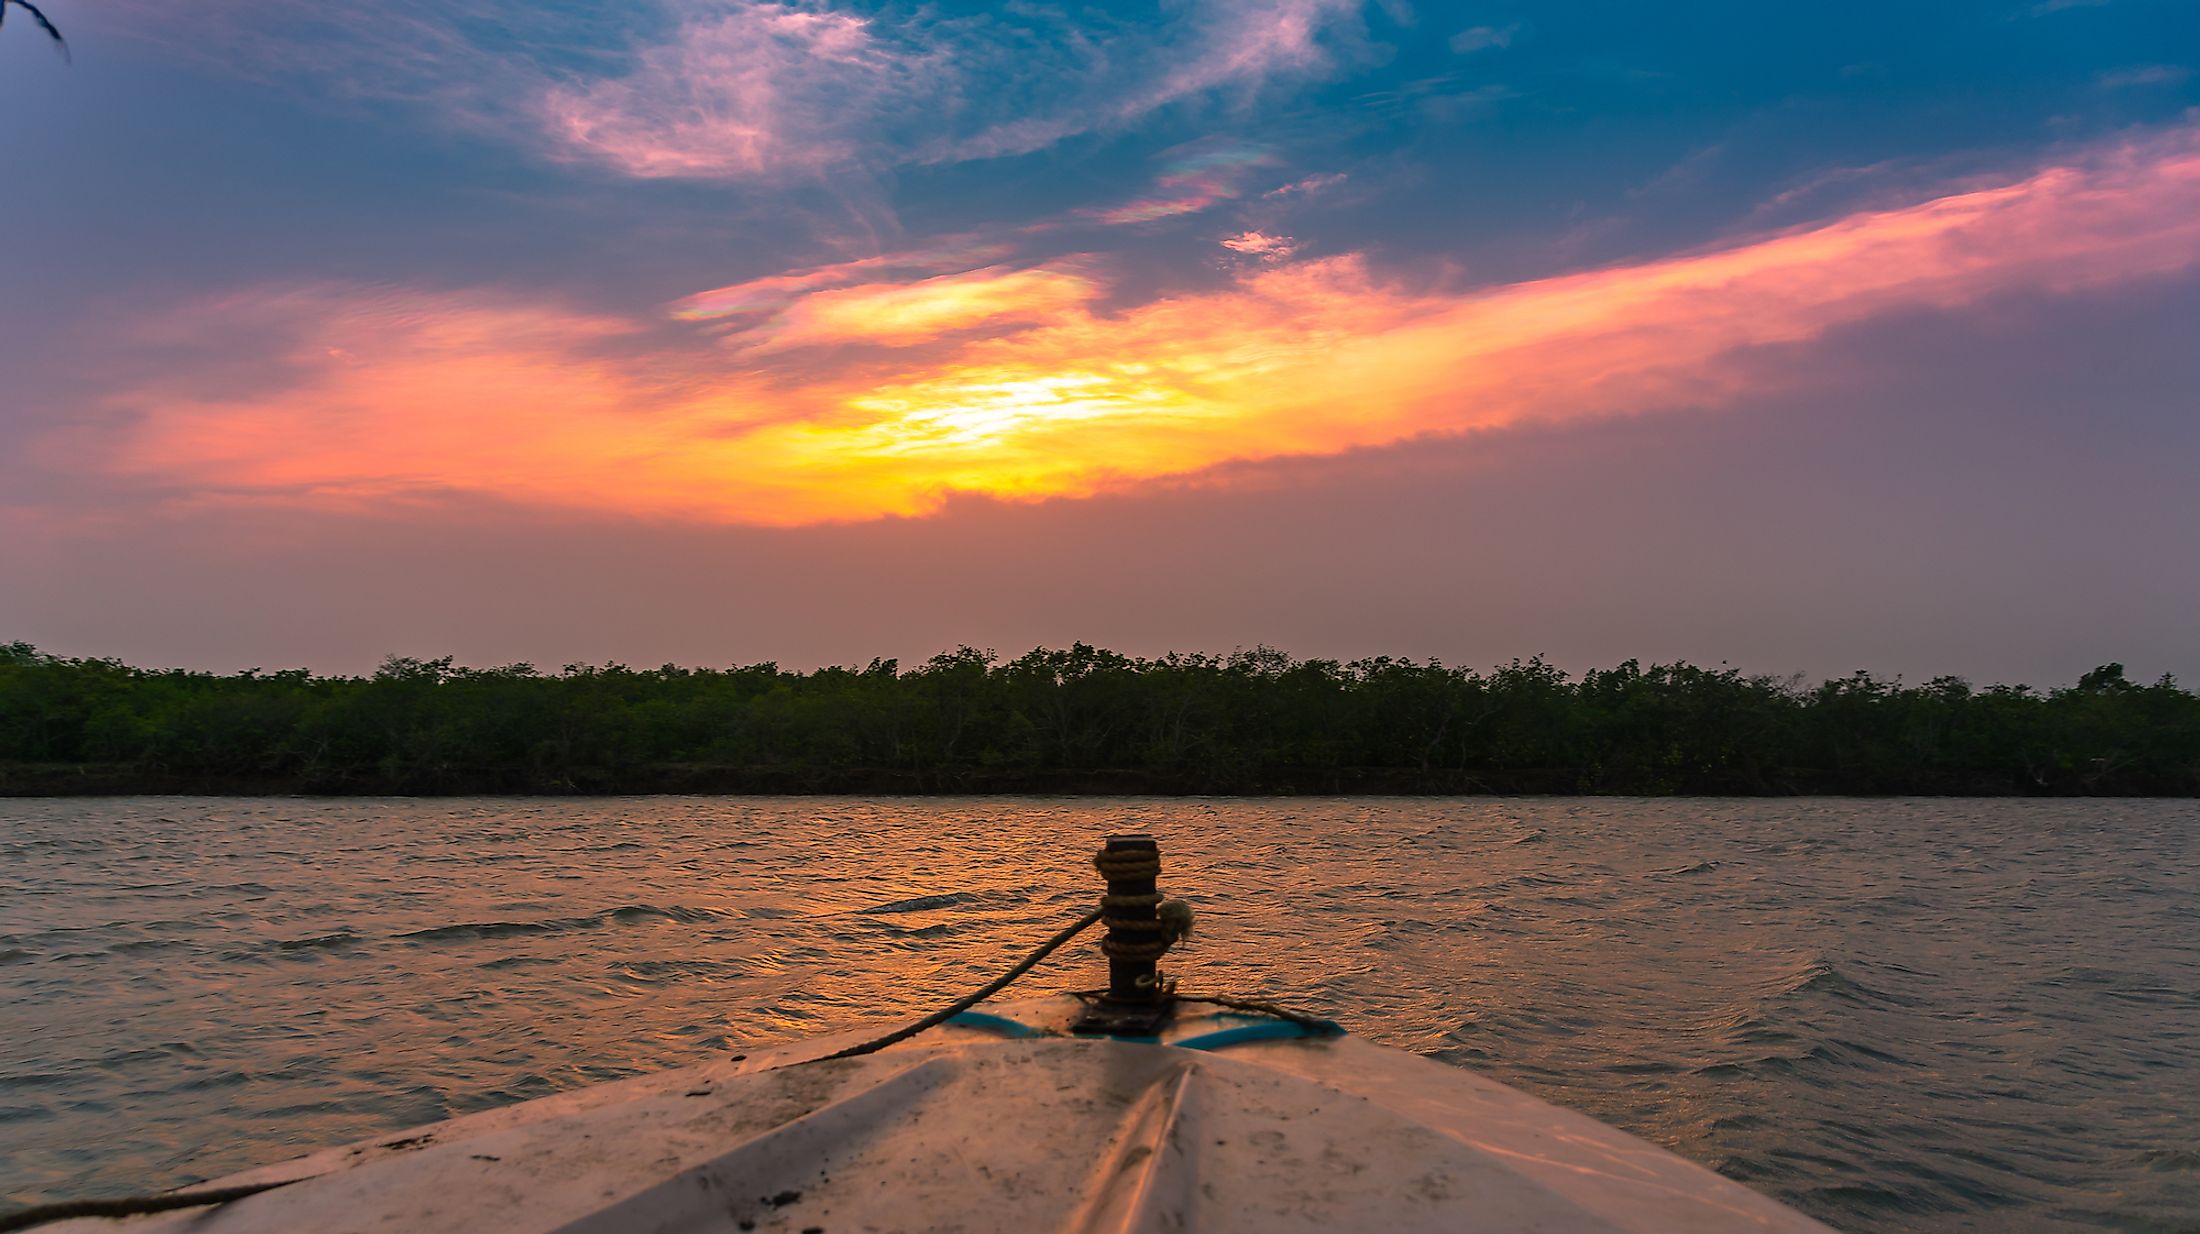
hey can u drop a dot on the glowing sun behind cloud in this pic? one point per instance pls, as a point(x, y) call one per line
point(411, 395)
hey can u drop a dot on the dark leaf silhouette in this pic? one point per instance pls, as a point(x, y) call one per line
point(39, 17)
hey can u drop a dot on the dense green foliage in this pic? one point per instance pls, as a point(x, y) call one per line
point(1079, 720)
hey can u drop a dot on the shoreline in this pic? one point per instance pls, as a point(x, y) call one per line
point(97, 780)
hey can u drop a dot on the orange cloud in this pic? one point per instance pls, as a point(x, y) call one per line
point(774, 293)
point(401, 397)
point(901, 314)
point(431, 394)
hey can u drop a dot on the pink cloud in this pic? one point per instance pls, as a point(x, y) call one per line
point(1194, 180)
point(757, 90)
point(1261, 245)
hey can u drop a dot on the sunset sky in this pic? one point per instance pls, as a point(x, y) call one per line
point(1803, 338)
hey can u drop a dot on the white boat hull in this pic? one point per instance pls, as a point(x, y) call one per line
point(964, 1129)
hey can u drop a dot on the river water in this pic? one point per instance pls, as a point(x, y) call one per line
point(1897, 1015)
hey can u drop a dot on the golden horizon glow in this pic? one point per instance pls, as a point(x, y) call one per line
point(418, 395)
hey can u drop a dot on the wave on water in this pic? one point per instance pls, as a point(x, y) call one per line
point(341, 938)
point(139, 946)
point(660, 972)
point(1821, 976)
point(2171, 1160)
point(631, 914)
point(936, 929)
point(921, 904)
point(504, 962)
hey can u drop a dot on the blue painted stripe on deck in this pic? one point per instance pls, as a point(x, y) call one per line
point(998, 1023)
point(1270, 1030)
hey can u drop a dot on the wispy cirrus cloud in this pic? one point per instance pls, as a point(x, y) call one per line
point(2144, 75)
point(1193, 180)
point(1308, 186)
point(767, 90)
point(1483, 38)
point(1246, 42)
point(1106, 79)
point(405, 396)
point(745, 91)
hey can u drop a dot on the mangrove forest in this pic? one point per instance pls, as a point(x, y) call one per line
point(1079, 720)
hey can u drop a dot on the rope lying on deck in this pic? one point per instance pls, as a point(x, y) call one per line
point(131, 1205)
point(1313, 1023)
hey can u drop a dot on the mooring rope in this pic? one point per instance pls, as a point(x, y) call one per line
point(132, 1205)
point(965, 1003)
point(1117, 863)
point(1322, 1027)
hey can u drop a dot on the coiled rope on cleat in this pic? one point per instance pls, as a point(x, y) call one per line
point(1172, 919)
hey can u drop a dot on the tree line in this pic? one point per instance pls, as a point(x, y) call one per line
point(1079, 720)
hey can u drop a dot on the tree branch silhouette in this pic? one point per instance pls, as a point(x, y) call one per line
point(40, 17)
